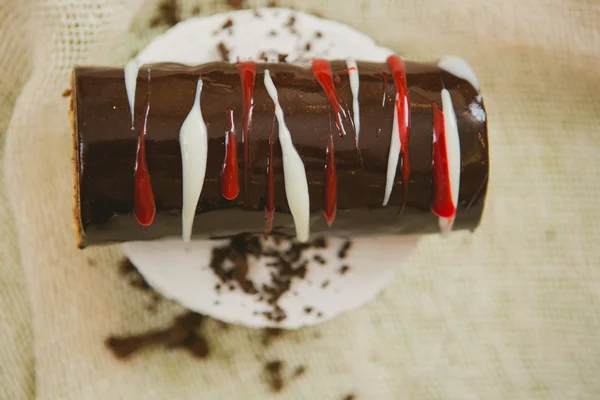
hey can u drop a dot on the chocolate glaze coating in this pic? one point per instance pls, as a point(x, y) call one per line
point(105, 148)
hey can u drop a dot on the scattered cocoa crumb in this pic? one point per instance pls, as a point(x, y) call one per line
point(319, 258)
point(308, 310)
point(91, 262)
point(273, 3)
point(224, 51)
point(223, 325)
point(271, 334)
point(231, 287)
point(263, 56)
point(319, 34)
point(350, 397)
point(256, 13)
point(273, 33)
point(235, 4)
point(227, 24)
point(344, 269)
point(217, 287)
point(291, 22)
point(325, 284)
point(299, 371)
point(307, 46)
point(320, 243)
point(344, 249)
point(274, 370)
point(195, 10)
point(134, 278)
point(282, 57)
point(181, 334)
point(319, 314)
point(66, 93)
point(168, 14)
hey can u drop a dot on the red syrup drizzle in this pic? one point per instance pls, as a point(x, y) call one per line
point(247, 76)
point(229, 174)
point(322, 71)
point(144, 207)
point(396, 66)
point(270, 201)
point(330, 191)
point(441, 203)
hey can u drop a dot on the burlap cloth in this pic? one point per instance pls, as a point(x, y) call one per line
point(512, 311)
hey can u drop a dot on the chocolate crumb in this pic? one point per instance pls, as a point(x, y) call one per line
point(344, 249)
point(181, 334)
point(91, 262)
point(299, 371)
point(273, 33)
point(273, 3)
point(224, 51)
point(195, 10)
point(66, 93)
point(319, 34)
point(307, 46)
point(319, 314)
point(271, 334)
point(227, 24)
point(256, 13)
point(168, 14)
point(282, 57)
point(291, 21)
point(325, 284)
point(319, 258)
point(235, 4)
point(350, 397)
point(274, 370)
point(320, 243)
point(231, 287)
point(263, 56)
point(308, 310)
point(130, 272)
point(344, 269)
point(217, 287)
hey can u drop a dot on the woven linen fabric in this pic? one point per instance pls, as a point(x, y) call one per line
point(509, 312)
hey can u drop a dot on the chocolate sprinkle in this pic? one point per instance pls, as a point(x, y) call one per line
point(227, 24)
point(224, 51)
point(271, 334)
point(319, 258)
point(308, 310)
point(290, 23)
point(344, 269)
point(282, 57)
point(307, 46)
point(344, 249)
point(181, 334)
point(319, 34)
point(256, 13)
point(263, 56)
point(299, 371)
point(325, 284)
point(134, 278)
point(273, 33)
point(274, 370)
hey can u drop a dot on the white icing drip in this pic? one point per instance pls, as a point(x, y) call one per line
point(393, 157)
point(296, 185)
point(477, 112)
point(194, 144)
point(353, 75)
point(460, 68)
point(453, 154)
point(131, 72)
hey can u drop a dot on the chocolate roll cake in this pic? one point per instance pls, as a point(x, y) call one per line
point(218, 149)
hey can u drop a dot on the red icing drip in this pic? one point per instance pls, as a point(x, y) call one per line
point(322, 71)
point(441, 204)
point(229, 175)
point(396, 65)
point(247, 75)
point(330, 190)
point(144, 207)
point(270, 201)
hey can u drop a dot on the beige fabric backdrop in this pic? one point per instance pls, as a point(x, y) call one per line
point(512, 311)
